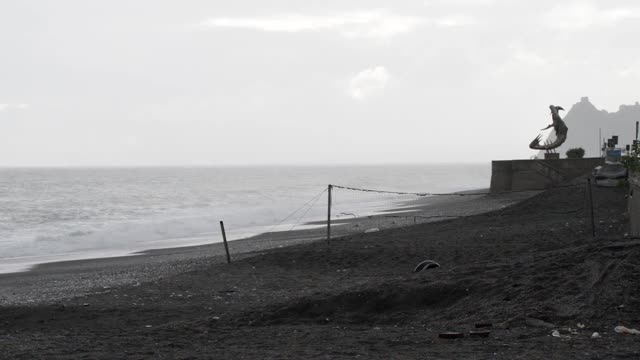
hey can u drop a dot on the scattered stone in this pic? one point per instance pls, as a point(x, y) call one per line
point(555, 333)
point(580, 326)
point(595, 335)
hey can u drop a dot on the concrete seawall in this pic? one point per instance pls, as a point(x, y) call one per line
point(515, 175)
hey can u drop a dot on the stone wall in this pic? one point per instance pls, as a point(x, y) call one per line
point(515, 175)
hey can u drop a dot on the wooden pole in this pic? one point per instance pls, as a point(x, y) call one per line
point(226, 246)
point(329, 214)
point(593, 224)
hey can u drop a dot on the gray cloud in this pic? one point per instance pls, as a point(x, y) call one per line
point(581, 15)
point(6, 107)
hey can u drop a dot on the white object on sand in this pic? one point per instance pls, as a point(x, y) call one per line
point(595, 335)
point(555, 333)
point(372, 230)
point(626, 330)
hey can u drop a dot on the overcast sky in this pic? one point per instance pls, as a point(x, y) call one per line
point(151, 82)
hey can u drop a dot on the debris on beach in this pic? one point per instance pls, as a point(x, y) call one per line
point(625, 330)
point(372, 230)
point(451, 335)
point(595, 335)
point(426, 264)
point(538, 323)
point(556, 333)
point(479, 333)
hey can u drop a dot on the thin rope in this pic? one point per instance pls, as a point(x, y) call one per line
point(445, 194)
point(425, 217)
point(300, 208)
point(305, 213)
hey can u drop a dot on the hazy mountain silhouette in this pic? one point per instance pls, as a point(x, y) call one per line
point(584, 121)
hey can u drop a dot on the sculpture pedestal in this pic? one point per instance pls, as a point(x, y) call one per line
point(548, 156)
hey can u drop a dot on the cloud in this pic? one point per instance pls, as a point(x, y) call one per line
point(630, 72)
point(455, 20)
point(368, 82)
point(522, 59)
point(6, 107)
point(587, 14)
point(465, 2)
point(376, 24)
point(529, 58)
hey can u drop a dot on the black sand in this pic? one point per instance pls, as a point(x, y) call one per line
point(528, 269)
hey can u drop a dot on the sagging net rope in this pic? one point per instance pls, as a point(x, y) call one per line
point(471, 193)
point(401, 211)
point(401, 192)
point(308, 205)
point(379, 209)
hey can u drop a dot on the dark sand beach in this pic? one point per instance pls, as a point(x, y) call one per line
point(528, 269)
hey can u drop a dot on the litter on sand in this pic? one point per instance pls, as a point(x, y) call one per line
point(427, 264)
point(626, 330)
point(479, 333)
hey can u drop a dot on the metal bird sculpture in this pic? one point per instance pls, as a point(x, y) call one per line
point(560, 128)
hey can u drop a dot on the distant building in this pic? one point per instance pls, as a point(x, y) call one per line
point(584, 122)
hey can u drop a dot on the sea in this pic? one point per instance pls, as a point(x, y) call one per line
point(59, 214)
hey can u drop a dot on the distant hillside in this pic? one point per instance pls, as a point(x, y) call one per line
point(584, 121)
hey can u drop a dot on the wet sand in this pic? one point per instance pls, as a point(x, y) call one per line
point(527, 269)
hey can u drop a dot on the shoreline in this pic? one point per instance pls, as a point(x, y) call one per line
point(412, 208)
point(55, 281)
